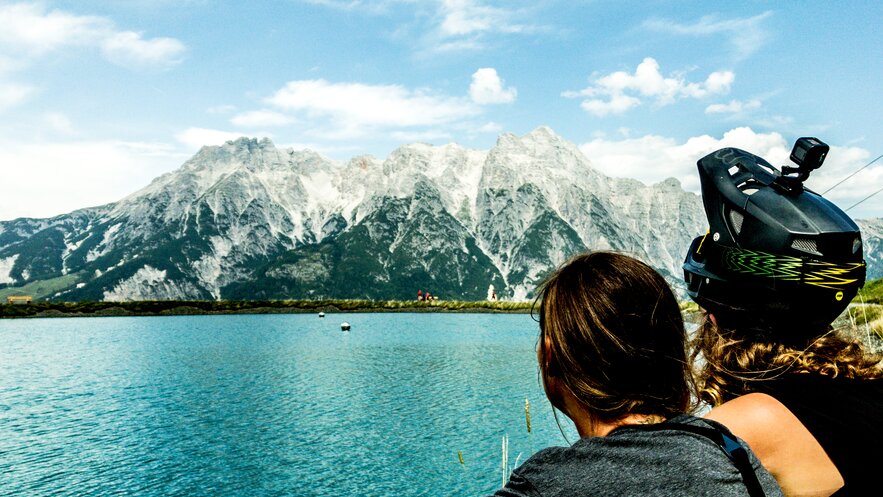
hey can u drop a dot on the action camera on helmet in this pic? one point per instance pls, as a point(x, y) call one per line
point(809, 155)
point(775, 251)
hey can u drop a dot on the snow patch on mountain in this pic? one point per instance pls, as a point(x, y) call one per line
point(210, 268)
point(105, 245)
point(69, 248)
point(146, 284)
point(6, 266)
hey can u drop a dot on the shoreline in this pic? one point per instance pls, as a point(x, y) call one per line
point(224, 307)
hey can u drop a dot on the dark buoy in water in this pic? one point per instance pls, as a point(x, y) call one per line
point(321, 314)
point(344, 326)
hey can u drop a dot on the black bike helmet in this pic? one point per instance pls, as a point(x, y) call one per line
point(775, 253)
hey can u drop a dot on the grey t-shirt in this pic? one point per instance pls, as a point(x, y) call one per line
point(631, 462)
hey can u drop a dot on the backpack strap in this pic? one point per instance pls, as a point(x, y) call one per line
point(725, 441)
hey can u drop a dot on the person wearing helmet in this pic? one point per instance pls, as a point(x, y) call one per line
point(612, 354)
point(777, 266)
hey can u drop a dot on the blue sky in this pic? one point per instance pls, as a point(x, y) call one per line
point(99, 97)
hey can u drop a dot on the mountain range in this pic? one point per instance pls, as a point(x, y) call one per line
point(248, 220)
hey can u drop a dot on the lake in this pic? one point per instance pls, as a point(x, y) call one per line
point(266, 405)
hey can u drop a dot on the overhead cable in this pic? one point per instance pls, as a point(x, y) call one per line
point(862, 200)
point(851, 175)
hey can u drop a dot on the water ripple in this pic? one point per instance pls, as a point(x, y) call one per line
point(266, 405)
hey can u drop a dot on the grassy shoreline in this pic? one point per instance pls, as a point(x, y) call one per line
point(210, 307)
point(864, 311)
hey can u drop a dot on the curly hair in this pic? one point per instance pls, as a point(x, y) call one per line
point(730, 361)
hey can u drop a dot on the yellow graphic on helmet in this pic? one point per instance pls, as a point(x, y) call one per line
point(788, 268)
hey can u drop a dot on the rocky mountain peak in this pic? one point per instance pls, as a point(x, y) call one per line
point(670, 184)
point(248, 220)
point(252, 145)
point(540, 139)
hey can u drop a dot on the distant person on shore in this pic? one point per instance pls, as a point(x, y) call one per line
point(612, 357)
point(776, 268)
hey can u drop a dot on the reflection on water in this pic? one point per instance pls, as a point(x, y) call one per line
point(267, 404)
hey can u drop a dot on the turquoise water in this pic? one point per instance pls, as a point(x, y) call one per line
point(267, 405)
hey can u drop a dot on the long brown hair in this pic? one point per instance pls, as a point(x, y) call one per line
point(616, 337)
point(733, 359)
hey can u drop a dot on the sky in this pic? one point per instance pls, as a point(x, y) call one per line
point(97, 98)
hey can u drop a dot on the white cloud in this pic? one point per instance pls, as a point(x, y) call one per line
point(490, 127)
point(80, 174)
point(59, 123)
point(420, 136)
point(353, 109)
point(653, 158)
point(618, 92)
point(30, 31)
point(373, 6)
point(466, 17)
point(129, 49)
point(733, 107)
point(259, 118)
point(746, 35)
point(465, 45)
point(775, 122)
point(12, 94)
point(616, 105)
point(30, 28)
point(47, 179)
point(9, 64)
point(717, 82)
point(455, 17)
point(196, 138)
point(221, 109)
point(468, 25)
point(487, 88)
point(443, 26)
point(337, 4)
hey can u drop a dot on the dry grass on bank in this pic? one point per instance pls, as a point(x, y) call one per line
point(192, 307)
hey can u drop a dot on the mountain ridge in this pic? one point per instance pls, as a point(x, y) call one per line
point(249, 220)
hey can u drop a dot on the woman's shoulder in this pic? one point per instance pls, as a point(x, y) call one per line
point(759, 419)
point(785, 446)
point(752, 409)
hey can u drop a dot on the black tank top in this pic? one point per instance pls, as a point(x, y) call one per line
point(845, 416)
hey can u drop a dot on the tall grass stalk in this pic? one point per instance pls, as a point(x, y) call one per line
point(863, 321)
point(505, 459)
point(865, 315)
point(507, 470)
point(529, 430)
point(527, 413)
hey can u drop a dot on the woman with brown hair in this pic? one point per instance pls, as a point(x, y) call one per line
point(612, 357)
point(776, 268)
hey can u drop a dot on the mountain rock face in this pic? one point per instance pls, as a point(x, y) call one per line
point(246, 220)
